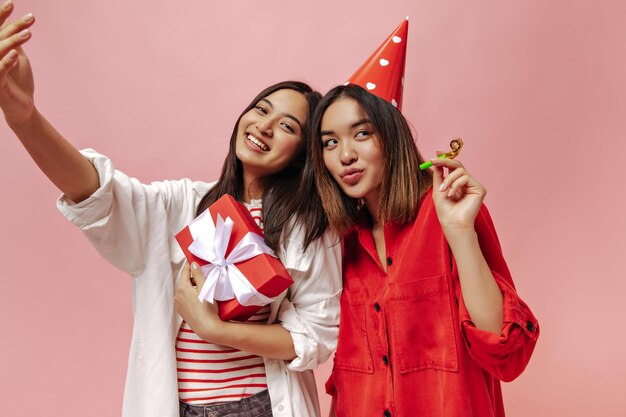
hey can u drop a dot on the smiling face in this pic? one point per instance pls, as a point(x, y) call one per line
point(270, 135)
point(352, 152)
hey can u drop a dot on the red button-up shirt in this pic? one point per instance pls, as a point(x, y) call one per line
point(407, 345)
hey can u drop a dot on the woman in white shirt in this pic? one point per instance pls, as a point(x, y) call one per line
point(133, 224)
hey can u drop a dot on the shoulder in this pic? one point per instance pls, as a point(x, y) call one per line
point(185, 188)
point(292, 252)
point(107, 172)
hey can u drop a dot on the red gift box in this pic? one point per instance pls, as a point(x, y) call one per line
point(265, 272)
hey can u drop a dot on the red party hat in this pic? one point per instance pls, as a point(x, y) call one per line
point(383, 73)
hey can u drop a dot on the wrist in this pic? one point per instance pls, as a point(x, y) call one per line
point(457, 228)
point(458, 236)
point(26, 122)
point(216, 331)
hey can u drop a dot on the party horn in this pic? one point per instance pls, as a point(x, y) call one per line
point(456, 146)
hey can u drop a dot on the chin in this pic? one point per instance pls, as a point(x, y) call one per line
point(353, 194)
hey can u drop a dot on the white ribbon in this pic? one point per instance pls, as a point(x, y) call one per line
point(224, 281)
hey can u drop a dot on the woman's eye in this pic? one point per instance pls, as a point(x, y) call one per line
point(288, 127)
point(261, 109)
point(329, 143)
point(362, 133)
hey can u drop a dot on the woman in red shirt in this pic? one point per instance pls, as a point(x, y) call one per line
point(431, 322)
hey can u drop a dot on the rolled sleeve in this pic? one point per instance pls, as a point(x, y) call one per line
point(115, 217)
point(504, 355)
point(94, 207)
point(310, 312)
point(314, 330)
point(124, 219)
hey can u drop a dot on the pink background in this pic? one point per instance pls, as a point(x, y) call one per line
point(536, 89)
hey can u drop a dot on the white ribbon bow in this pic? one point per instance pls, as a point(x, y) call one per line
point(224, 281)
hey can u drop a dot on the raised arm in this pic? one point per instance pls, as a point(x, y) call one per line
point(458, 198)
point(55, 156)
point(499, 329)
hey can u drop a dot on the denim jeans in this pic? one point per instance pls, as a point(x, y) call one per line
point(256, 406)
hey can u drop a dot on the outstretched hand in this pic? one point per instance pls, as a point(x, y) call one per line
point(457, 196)
point(16, 77)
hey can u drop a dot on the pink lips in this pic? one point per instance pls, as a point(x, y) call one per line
point(351, 176)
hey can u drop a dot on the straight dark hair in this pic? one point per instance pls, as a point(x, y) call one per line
point(288, 193)
point(403, 183)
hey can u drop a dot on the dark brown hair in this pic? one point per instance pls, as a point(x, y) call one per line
point(403, 183)
point(286, 194)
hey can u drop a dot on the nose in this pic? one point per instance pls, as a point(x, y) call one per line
point(347, 155)
point(264, 126)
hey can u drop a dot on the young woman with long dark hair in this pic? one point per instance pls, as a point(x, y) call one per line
point(183, 359)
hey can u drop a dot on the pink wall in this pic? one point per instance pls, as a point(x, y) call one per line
point(536, 89)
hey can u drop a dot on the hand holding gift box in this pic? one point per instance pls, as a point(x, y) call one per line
point(242, 272)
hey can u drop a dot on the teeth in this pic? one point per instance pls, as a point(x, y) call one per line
point(258, 143)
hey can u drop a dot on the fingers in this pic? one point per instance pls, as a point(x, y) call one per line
point(5, 11)
point(460, 182)
point(191, 276)
point(197, 274)
point(437, 176)
point(457, 187)
point(457, 182)
point(446, 162)
point(438, 165)
point(7, 62)
point(452, 177)
point(15, 34)
point(185, 277)
point(454, 185)
point(8, 29)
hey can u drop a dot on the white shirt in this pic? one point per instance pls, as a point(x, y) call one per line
point(133, 226)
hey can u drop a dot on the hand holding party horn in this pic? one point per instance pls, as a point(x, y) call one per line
point(456, 146)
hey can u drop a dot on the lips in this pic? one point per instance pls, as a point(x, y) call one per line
point(258, 143)
point(351, 176)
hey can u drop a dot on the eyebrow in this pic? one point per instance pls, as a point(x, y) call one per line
point(288, 115)
point(356, 124)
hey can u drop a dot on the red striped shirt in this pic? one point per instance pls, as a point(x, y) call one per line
point(209, 373)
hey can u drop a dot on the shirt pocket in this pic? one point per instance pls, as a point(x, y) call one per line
point(422, 329)
point(353, 350)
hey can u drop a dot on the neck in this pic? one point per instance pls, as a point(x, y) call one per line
point(372, 201)
point(252, 187)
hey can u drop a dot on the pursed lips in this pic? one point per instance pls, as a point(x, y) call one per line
point(350, 172)
point(351, 176)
